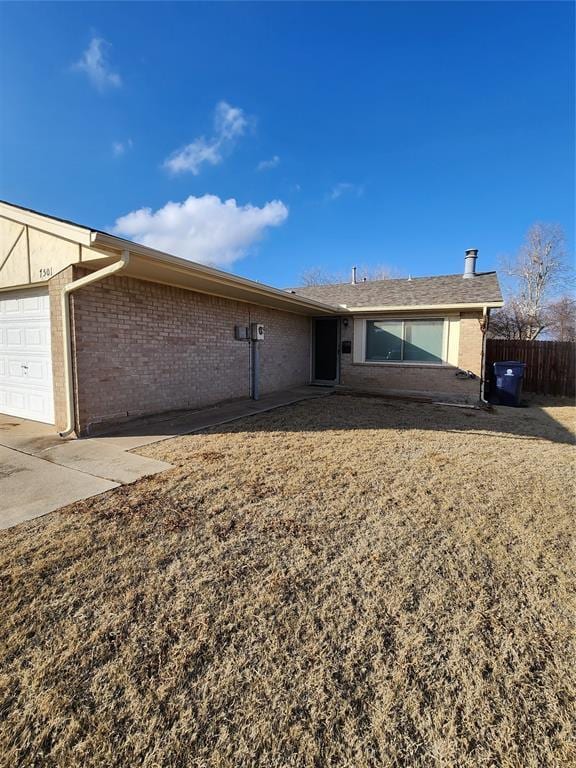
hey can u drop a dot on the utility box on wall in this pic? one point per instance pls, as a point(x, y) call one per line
point(257, 332)
point(241, 332)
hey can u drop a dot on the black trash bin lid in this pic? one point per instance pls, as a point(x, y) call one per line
point(515, 365)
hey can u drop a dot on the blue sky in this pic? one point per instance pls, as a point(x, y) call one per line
point(368, 134)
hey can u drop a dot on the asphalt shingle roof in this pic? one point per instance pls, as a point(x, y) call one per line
point(440, 290)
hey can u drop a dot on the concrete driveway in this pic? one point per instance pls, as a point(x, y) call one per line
point(40, 472)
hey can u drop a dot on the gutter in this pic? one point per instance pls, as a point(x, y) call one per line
point(484, 327)
point(422, 307)
point(94, 277)
point(216, 276)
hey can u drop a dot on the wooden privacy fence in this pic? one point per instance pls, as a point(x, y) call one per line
point(550, 365)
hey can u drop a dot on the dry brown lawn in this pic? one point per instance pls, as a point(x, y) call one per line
point(347, 582)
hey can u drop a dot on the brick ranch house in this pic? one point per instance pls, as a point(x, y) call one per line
point(96, 330)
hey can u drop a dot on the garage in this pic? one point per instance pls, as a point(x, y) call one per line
point(25, 355)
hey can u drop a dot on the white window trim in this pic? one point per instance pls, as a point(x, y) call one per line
point(450, 341)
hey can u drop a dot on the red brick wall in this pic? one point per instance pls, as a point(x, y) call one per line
point(144, 348)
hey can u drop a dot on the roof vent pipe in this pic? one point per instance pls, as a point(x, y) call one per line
point(470, 262)
point(353, 275)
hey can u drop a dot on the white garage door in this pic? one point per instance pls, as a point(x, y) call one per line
point(25, 358)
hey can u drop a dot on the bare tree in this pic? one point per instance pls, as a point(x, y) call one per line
point(539, 269)
point(562, 319)
point(509, 322)
point(320, 276)
point(378, 272)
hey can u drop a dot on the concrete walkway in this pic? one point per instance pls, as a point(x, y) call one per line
point(156, 428)
point(40, 472)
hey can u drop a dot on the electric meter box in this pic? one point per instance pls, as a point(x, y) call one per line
point(257, 331)
point(241, 333)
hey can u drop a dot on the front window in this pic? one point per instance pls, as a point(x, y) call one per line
point(405, 340)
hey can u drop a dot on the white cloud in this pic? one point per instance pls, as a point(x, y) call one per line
point(121, 147)
point(94, 62)
point(229, 124)
point(266, 165)
point(204, 229)
point(193, 156)
point(345, 188)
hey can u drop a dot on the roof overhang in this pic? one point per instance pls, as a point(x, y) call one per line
point(66, 230)
point(156, 266)
point(92, 249)
point(424, 307)
point(97, 249)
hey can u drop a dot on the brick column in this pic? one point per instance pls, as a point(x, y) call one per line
point(55, 286)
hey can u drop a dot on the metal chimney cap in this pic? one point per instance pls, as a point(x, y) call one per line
point(470, 262)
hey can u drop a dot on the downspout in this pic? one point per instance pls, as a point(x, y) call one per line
point(484, 326)
point(94, 277)
point(254, 344)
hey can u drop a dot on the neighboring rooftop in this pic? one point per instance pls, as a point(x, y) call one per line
point(442, 290)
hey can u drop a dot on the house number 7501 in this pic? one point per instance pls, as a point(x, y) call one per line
point(45, 271)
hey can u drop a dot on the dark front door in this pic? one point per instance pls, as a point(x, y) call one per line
point(326, 349)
